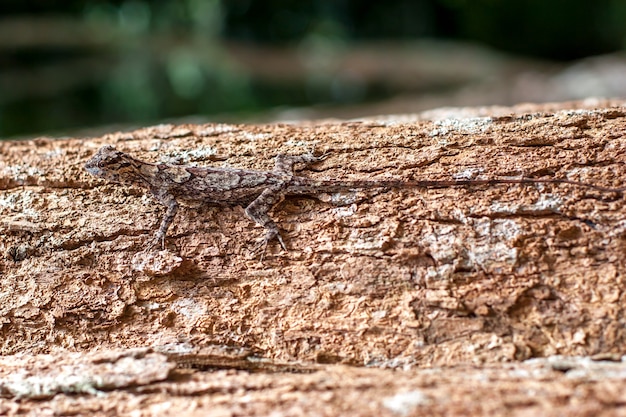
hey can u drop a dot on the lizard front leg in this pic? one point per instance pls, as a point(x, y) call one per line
point(284, 165)
point(171, 208)
point(258, 211)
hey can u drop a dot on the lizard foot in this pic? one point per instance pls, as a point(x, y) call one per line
point(261, 247)
point(158, 241)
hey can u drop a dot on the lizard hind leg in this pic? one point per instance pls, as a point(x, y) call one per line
point(258, 211)
point(172, 207)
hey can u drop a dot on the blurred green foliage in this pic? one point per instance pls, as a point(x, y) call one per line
point(72, 64)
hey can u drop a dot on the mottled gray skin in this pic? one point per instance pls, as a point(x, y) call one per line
point(257, 191)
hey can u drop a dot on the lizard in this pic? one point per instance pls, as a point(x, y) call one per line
point(257, 191)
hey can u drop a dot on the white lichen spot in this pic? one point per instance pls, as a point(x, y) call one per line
point(215, 130)
point(190, 308)
point(406, 363)
point(467, 126)
point(161, 130)
point(509, 208)
point(442, 272)
point(388, 119)
point(494, 342)
point(168, 130)
point(156, 263)
point(348, 211)
point(379, 314)
point(55, 153)
point(80, 373)
point(578, 172)
point(9, 201)
point(493, 245)
point(187, 156)
point(359, 242)
point(546, 202)
point(339, 287)
point(341, 199)
point(467, 174)
point(616, 230)
point(255, 137)
point(489, 246)
point(20, 172)
point(22, 385)
point(175, 348)
point(579, 337)
point(404, 403)
point(581, 367)
point(501, 229)
point(21, 203)
point(309, 146)
point(488, 255)
point(442, 242)
point(575, 112)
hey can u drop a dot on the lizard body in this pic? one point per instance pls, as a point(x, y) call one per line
point(257, 191)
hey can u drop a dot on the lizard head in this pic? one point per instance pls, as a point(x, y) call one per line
point(113, 165)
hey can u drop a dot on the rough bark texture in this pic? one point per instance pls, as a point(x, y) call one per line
point(453, 286)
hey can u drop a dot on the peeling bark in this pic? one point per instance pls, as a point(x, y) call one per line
point(400, 279)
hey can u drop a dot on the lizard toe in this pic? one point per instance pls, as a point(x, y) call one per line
point(261, 246)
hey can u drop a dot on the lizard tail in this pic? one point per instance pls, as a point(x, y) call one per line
point(315, 186)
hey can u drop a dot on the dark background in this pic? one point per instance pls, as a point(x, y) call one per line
point(69, 65)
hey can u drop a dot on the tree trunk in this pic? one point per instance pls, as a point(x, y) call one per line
point(411, 279)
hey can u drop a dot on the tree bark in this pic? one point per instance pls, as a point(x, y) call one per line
point(409, 279)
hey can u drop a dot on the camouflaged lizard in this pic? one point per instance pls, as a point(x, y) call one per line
point(257, 191)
